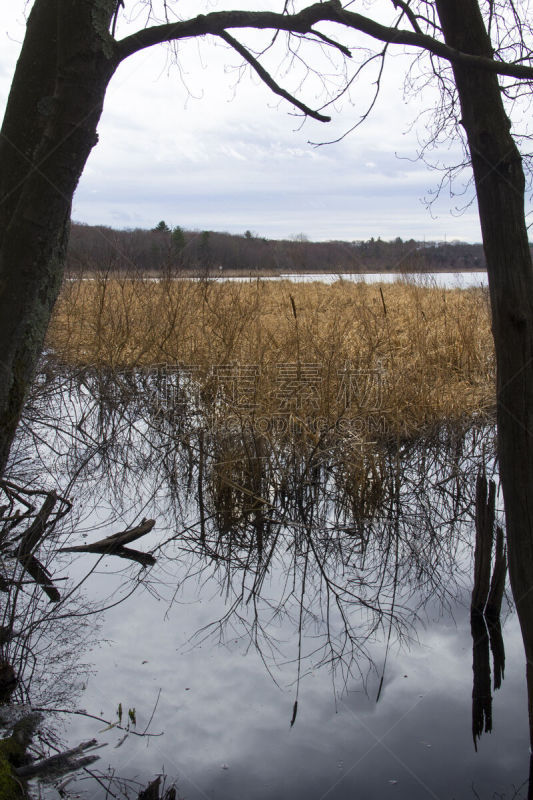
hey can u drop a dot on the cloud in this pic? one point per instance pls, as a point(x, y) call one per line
point(208, 146)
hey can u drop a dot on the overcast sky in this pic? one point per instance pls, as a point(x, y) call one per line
point(195, 147)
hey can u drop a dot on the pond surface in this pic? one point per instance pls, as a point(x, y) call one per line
point(305, 631)
point(227, 724)
point(447, 280)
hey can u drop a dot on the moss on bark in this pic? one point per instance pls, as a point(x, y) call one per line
point(13, 754)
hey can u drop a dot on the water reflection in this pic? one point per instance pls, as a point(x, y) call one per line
point(485, 609)
point(347, 543)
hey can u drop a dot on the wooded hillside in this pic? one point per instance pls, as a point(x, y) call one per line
point(151, 251)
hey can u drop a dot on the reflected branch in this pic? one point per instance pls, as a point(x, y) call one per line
point(487, 594)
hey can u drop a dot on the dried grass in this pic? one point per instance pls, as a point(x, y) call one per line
point(407, 355)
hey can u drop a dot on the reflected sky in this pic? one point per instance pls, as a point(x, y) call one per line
point(447, 280)
point(223, 693)
point(220, 708)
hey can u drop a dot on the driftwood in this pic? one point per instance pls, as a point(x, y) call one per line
point(61, 763)
point(33, 535)
point(30, 541)
point(114, 544)
point(53, 508)
point(15, 758)
point(40, 575)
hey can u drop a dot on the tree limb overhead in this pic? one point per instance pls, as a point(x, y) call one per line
point(218, 22)
point(270, 82)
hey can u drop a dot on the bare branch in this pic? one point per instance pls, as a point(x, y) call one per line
point(302, 22)
point(218, 21)
point(408, 13)
point(377, 84)
point(269, 81)
point(333, 43)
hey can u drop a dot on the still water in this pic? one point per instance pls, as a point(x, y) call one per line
point(305, 630)
point(447, 280)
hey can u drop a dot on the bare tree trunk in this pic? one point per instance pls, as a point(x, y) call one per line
point(500, 185)
point(48, 132)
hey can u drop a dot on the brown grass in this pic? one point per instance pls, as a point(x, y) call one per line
point(407, 354)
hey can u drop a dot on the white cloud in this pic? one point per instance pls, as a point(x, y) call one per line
point(195, 145)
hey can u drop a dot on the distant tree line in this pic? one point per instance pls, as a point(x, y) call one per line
point(164, 249)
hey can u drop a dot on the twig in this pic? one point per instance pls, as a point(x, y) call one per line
point(81, 713)
point(270, 82)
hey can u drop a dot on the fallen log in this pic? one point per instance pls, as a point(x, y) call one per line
point(114, 544)
point(60, 763)
point(33, 535)
point(41, 576)
point(30, 541)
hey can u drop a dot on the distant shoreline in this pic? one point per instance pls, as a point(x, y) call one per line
point(196, 253)
point(214, 274)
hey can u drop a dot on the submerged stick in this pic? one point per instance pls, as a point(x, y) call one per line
point(114, 544)
point(41, 576)
point(32, 536)
point(30, 541)
point(61, 762)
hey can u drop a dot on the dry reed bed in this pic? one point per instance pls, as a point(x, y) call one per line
point(412, 354)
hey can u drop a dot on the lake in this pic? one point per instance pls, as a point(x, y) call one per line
point(305, 630)
point(448, 280)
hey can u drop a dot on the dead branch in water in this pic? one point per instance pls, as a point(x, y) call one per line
point(29, 542)
point(114, 544)
point(60, 763)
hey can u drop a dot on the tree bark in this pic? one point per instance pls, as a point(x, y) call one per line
point(49, 129)
point(500, 185)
